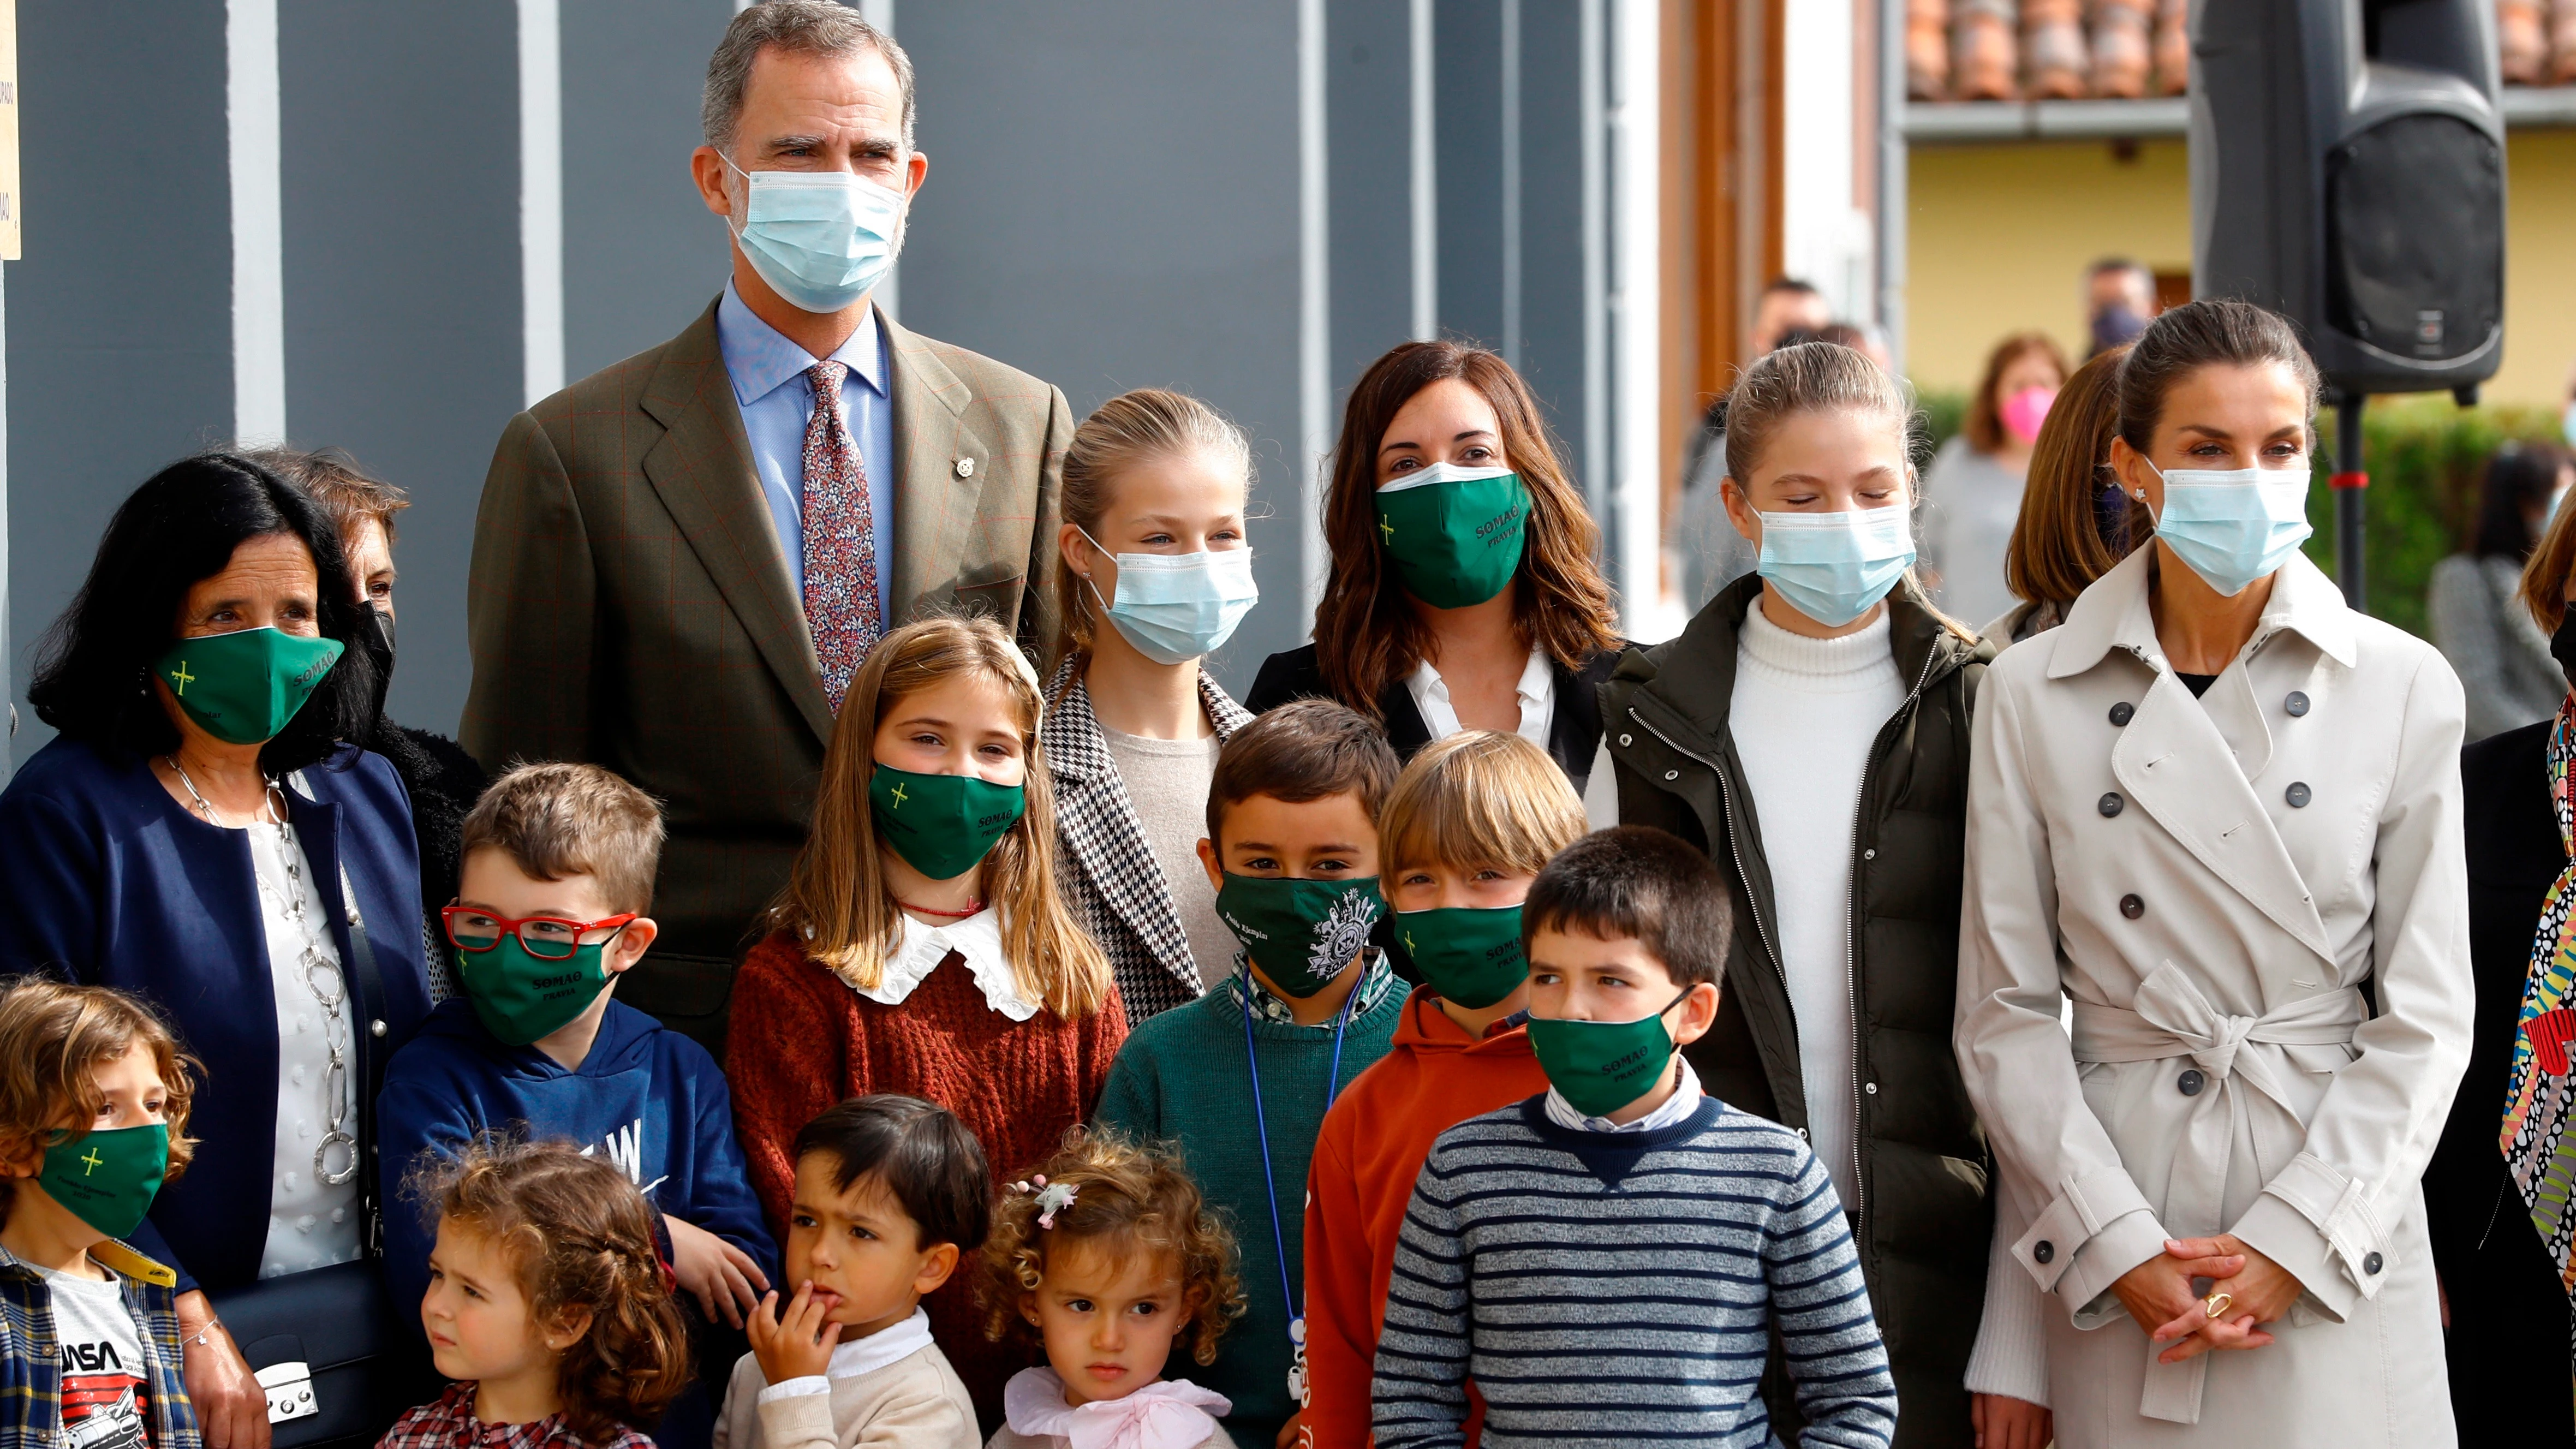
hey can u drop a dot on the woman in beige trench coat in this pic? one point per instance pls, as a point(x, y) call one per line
point(2220, 812)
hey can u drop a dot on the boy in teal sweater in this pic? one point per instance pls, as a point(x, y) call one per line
point(1240, 1078)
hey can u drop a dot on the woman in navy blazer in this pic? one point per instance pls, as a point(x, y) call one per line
point(126, 852)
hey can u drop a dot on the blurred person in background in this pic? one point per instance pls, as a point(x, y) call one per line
point(2479, 623)
point(2119, 302)
point(2075, 522)
point(1713, 554)
point(2503, 1297)
point(443, 780)
point(1974, 487)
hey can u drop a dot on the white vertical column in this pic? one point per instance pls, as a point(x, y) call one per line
point(1824, 239)
point(541, 262)
point(259, 231)
point(1314, 299)
point(1426, 180)
point(1636, 313)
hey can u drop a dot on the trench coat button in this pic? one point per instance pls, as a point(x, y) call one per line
point(2109, 804)
point(1672, 774)
point(2043, 1250)
point(2371, 1264)
point(2133, 906)
point(2123, 712)
point(2192, 1081)
point(2296, 704)
point(2298, 795)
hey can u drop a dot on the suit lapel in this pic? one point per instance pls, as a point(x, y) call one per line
point(935, 507)
point(703, 472)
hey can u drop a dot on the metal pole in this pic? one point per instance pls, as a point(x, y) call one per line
point(2348, 480)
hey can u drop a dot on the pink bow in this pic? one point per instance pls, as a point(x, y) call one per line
point(1142, 1420)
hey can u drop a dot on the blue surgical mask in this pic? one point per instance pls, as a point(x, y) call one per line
point(1832, 567)
point(1176, 607)
point(2233, 525)
point(820, 239)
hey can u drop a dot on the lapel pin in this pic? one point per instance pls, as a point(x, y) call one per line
point(965, 467)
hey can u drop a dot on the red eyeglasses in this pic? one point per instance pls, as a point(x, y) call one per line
point(548, 938)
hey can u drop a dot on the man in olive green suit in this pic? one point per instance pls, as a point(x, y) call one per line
point(680, 561)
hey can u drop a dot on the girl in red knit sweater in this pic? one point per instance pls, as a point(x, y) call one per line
point(920, 946)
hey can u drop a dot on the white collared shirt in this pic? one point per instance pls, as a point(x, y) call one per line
point(1676, 1108)
point(856, 1356)
point(1536, 692)
point(919, 950)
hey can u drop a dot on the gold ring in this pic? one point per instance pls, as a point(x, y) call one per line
point(2217, 1303)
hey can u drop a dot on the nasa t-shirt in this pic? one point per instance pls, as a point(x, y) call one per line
point(102, 1364)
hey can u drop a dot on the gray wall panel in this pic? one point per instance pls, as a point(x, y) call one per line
point(1467, 81)
point(120, 316)
point(1368, 108)
point(641, 254)
point(399, 138)
point(1551, 359)
point(1112, 203)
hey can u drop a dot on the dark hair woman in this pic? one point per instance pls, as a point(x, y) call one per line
point(1464, 594)
point(2478, 619)
point(2217, 810)
point(199, 834)
point(2502, 1255)
point(1973, 490)
point(2075, 522)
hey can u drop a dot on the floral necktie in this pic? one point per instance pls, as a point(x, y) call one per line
point(841, 608)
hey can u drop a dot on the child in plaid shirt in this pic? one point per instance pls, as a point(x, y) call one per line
point(548, 1301)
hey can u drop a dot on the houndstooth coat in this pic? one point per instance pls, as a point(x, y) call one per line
point(1106, 871)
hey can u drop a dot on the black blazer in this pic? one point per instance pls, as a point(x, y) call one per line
point(1573, 732)
point(2508, 1314)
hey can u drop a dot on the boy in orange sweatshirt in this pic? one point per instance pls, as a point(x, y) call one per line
point(1469, 823)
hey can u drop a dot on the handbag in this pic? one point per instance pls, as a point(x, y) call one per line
point(326, 1345)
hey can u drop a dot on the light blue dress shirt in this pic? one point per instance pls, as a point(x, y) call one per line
point(777, 402)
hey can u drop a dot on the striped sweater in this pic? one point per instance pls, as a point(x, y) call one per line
point(1603, 1287)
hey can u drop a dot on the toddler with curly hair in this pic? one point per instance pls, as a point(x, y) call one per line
point(1109, 1262)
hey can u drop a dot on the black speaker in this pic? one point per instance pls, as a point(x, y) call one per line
point(2347, 170)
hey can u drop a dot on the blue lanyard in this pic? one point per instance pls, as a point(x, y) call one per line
point(1261, 1123)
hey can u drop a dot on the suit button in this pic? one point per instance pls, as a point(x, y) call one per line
point(2192, 1081)
point(2109, 804)
point(2132, 906)
point(2123, 712)
point(2043, 1250)
point(2296, 704)
point(2371, 1264)
point(2297, 795)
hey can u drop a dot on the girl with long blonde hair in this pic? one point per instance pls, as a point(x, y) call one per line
point(920, 946)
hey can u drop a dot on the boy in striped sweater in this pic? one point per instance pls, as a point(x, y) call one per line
point(1608, 1260)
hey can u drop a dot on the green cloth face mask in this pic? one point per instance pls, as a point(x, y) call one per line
point(243, 687)
point(1470, 956)
point(108, 1178)
point(942, 825)
point(1602, 1066)
point(522, 998)
point(1455, 533)
point(1301, 933)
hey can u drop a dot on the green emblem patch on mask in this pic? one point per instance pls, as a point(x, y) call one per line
point(108, 1178)
point(942, 825)
point(522, 998)
point(1301, 933)
point(243, 687)
point(1469, 955)
point(1455, 533)
point(1602, 1066)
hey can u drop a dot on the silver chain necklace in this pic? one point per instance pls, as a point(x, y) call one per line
point(335, 1031)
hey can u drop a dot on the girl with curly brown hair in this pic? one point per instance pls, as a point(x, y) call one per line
point(1109, 1262)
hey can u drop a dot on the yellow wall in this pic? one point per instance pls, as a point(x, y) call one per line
point(1999, 236)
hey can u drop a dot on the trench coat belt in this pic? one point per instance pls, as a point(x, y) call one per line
point(2240, 1059)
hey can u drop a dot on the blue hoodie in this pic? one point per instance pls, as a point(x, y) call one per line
point(652, 1100)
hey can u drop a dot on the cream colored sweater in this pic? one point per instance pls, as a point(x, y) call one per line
point(916, 1402)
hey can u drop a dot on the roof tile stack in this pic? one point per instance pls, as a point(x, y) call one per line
point(2038, 50)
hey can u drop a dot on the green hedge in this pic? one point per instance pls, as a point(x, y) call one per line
point(2424, 456)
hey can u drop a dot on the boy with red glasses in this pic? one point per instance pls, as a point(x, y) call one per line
point(558, 863)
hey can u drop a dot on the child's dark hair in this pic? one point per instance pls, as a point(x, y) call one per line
point(581, 1237)
point(1637, 881)
point(53, 1036)
point(926, 1159)
point(1104, 1191)
point(1303, 750)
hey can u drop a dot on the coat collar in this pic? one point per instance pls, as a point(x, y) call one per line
point(1070, 732)
point(940, 466)
point(2114, 614)
point(1925, 645)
